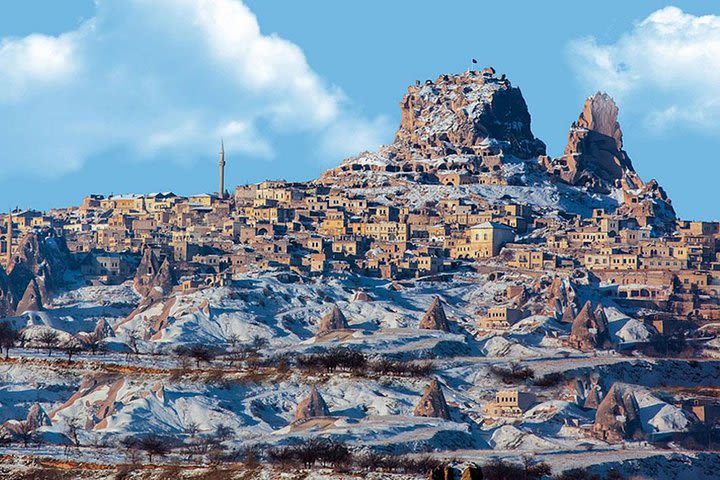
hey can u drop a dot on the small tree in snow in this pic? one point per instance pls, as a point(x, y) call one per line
point(9, 337)
point(49, 340)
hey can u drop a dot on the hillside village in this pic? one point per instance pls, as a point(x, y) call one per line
point(458, 293)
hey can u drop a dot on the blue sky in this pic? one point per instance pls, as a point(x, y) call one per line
point(133, 95)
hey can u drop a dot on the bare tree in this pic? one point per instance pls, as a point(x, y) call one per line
point(133, 341)
point(70, 348)
point(49, 339)
point(71, 431)
point(9, 337)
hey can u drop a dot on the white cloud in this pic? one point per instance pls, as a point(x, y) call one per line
point(670, 61)
point(165, 78)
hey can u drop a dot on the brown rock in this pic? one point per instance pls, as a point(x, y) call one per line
point(590, 329)
point(41, 256)
point(37, 417)
point(618, 416)
point(153, 278)
point(333, 320)
point(434, 318)
point(472, 472)
point(432, 403)
point(32, 299)
point(312, 407)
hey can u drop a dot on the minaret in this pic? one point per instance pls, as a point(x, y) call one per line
point(8, 241)
point(221, 192)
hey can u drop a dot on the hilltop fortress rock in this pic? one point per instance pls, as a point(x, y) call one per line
point(465, 123)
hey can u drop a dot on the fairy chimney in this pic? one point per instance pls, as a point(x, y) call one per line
point(31, 300)
point(618, 416)
point(333, 320)
point(312, 407)
point(435, 318)
point(432, 403)
point(590, 329)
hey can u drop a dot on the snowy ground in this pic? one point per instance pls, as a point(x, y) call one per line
point(115, 395)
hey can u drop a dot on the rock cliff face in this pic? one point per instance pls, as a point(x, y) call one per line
point(594, 154)
point(465, 122)
point(594, 157)
point(472, 113)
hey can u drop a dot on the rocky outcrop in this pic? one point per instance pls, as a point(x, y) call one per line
point(37, 417)
point(435, 318)
point(42, 257)
point(618, 416)
point(31, 300)
point(594, 157)
point(468, 123)
point(594, 154)
point(312, 407)
point(561, 297)
point(154, 278)
point(7, 300)
point(432, 403)
point(333, 320)
point(469, 113)
point(472, 472)
point(590, 329)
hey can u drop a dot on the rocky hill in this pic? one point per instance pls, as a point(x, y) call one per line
point(474, 130)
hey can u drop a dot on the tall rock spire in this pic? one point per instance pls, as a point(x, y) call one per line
point(221, 191)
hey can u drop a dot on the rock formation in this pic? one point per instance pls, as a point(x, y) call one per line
point(37, 417)
point(618, 416)
point(7, 300)
point(561, 297)
point(432, 403)
point(472, 472)
point(434, 318)
point(475, 110)
point(594, 157)
point(590, 329)
point(466, 123)
point(333, 320)
point(154, 278)
point(312, 407)
point(31, 299)
point(594, 154)
point(42, 257)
